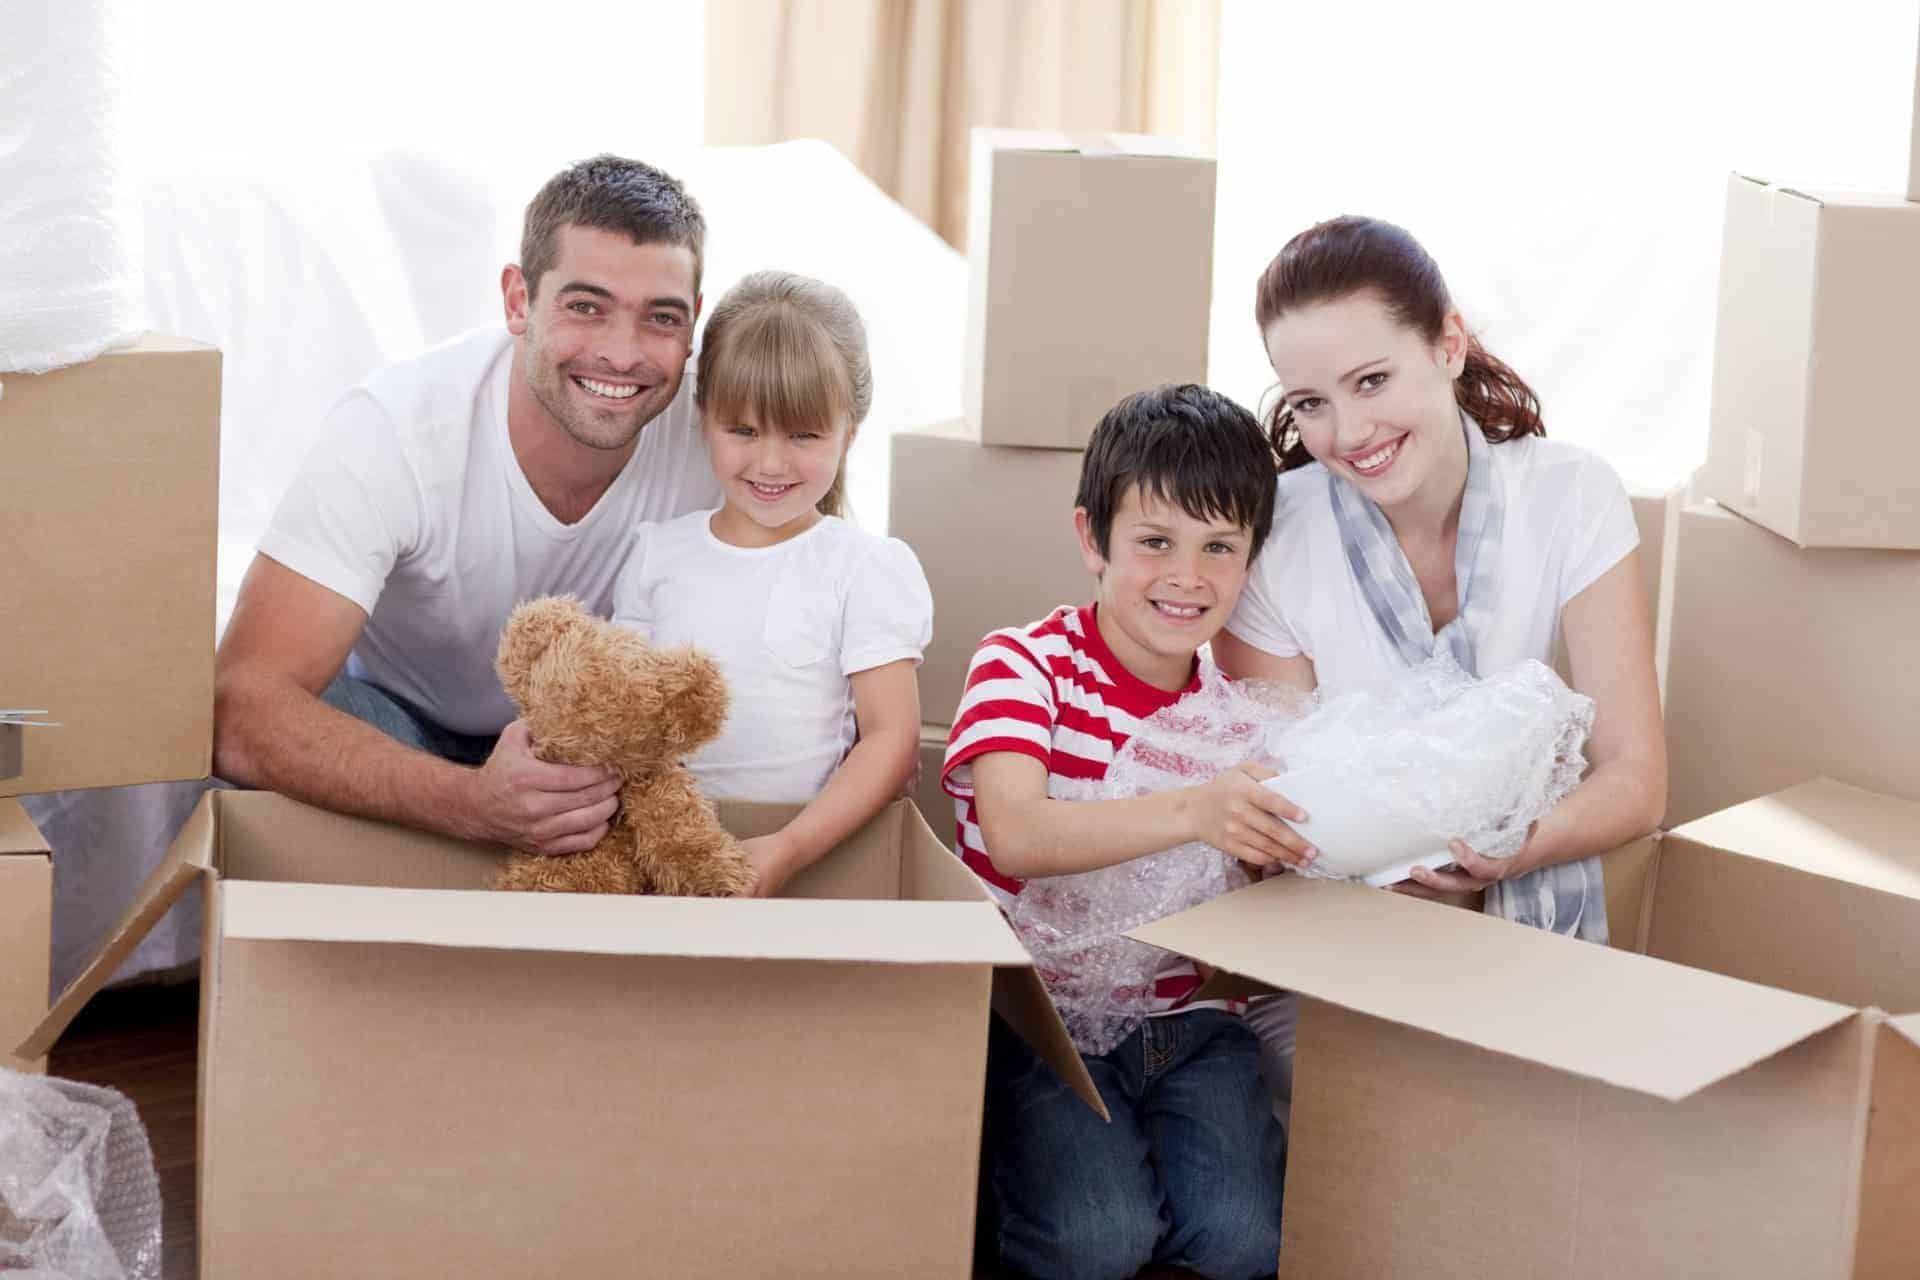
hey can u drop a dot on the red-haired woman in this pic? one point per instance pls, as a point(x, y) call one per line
point(1421, 510)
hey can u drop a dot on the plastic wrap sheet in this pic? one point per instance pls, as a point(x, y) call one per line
point(1073, 925)
point(1440, 751)
point(78, 1195)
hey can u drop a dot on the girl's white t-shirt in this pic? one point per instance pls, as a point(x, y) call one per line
point(1568, 520)
point(788, 625)
point(413, 506)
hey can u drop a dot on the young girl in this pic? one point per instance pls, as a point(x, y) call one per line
point(818, 625)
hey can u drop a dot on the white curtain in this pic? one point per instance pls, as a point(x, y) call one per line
point(1565, 164)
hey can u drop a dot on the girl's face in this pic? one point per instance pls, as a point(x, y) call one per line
point(772, 481)
point(1373, 398)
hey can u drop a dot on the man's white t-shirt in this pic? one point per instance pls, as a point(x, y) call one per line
point(788, 625)
point(1568, 520)
point(413, 506)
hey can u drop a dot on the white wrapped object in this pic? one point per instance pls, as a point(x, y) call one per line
point(78, 1195)
point(1073, 925)
point(1388, 776)
point(70, 271)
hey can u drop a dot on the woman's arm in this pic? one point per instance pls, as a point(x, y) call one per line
point(1239, 660)
point(886, 706)
point(1610, 642)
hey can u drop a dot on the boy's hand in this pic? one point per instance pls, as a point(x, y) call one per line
point(1241, 818)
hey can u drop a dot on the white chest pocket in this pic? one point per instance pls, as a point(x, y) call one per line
point(801, 621)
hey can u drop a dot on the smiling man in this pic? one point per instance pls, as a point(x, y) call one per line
point(357, 670)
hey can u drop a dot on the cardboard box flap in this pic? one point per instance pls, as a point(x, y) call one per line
point(618, 924)
point(1130, 144)
point(1596, 1012)
point(1022, 1002)
point(17, 832)
point(1908, 1026)
point(188, 858)
point(1826, 828)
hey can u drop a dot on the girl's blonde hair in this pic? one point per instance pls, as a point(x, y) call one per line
point(791, 352)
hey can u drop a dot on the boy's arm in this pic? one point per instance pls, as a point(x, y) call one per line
point(886, 706)
point(1027, 834)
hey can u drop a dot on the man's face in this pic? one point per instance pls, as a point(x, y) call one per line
point(605, 341)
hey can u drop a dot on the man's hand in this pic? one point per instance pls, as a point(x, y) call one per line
point(1241, 818)
point(523, 801)
point(774, 861)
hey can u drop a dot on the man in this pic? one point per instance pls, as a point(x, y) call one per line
point(357, 670)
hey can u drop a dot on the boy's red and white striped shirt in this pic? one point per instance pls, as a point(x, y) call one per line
point(1054, 691)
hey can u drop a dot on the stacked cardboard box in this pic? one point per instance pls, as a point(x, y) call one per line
point(1091, 266)
point(110, 472)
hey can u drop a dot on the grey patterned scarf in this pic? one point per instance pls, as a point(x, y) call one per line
point(1569, 898)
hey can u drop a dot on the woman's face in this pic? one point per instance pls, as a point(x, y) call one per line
point(1373, 398)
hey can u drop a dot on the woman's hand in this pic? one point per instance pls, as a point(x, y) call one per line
point(1241, 818)
point(1470, 874)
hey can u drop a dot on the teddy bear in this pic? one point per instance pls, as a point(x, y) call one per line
point(598, 694)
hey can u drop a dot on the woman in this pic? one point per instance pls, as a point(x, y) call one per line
point(1420, 509)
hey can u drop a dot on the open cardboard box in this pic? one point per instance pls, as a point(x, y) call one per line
point(1477, 1099)
point(404, 1075)
point(26, 932)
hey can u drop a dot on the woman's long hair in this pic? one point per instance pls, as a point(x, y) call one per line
point(1348, 255)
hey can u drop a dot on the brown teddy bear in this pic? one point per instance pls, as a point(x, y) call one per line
point(597, 694)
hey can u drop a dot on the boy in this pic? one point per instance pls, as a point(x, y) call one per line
point(1176, 496)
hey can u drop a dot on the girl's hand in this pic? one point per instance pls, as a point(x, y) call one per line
point(1241, 818)
point(774, 860)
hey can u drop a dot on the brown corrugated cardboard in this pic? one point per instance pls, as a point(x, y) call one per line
point(935, 805)
point(111, 476)
point(583, 1085)
point(26, 932)
point(1731, 1103)
point(1784, 664)
point(1090, 264)
point(993, 529)
point(1913, 134)
point(1810, 433)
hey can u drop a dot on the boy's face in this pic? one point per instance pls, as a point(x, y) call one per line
point(1168, 583)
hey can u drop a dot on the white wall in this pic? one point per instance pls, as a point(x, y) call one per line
point(1565, 164)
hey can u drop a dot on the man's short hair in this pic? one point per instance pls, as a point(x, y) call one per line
point(610, 193)
point(1187, 446)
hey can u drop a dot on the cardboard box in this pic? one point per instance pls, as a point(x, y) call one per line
point(565, 1084)
point(1002, 563)
point(1913, 133)
point(1474, 1099)
point(1090, 261)
point(111, 476)
point(934, 804)
point(1786, 664)
point(26, 932)
point(1812, 430)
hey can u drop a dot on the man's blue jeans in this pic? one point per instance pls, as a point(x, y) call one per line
point(1189, 1173)
point(404, 722)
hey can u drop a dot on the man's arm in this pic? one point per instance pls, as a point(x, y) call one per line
point(288, 638)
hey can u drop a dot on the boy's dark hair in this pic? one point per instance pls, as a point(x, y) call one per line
point(1184, 445)
point(610, 193)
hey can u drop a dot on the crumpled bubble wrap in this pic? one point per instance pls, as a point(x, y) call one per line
point(78, 1195)
point(1101, 981)
point(1481, 760)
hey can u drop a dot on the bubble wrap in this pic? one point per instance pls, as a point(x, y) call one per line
point(78, 1196)
point(1072, 925)
point(1479, 759)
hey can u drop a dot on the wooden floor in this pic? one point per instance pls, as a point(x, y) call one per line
point(144, 1042)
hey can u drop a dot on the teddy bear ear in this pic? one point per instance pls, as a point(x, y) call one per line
point(531, 630)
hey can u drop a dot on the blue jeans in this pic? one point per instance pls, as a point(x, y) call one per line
point(404, 722)
point(1188, 1174)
